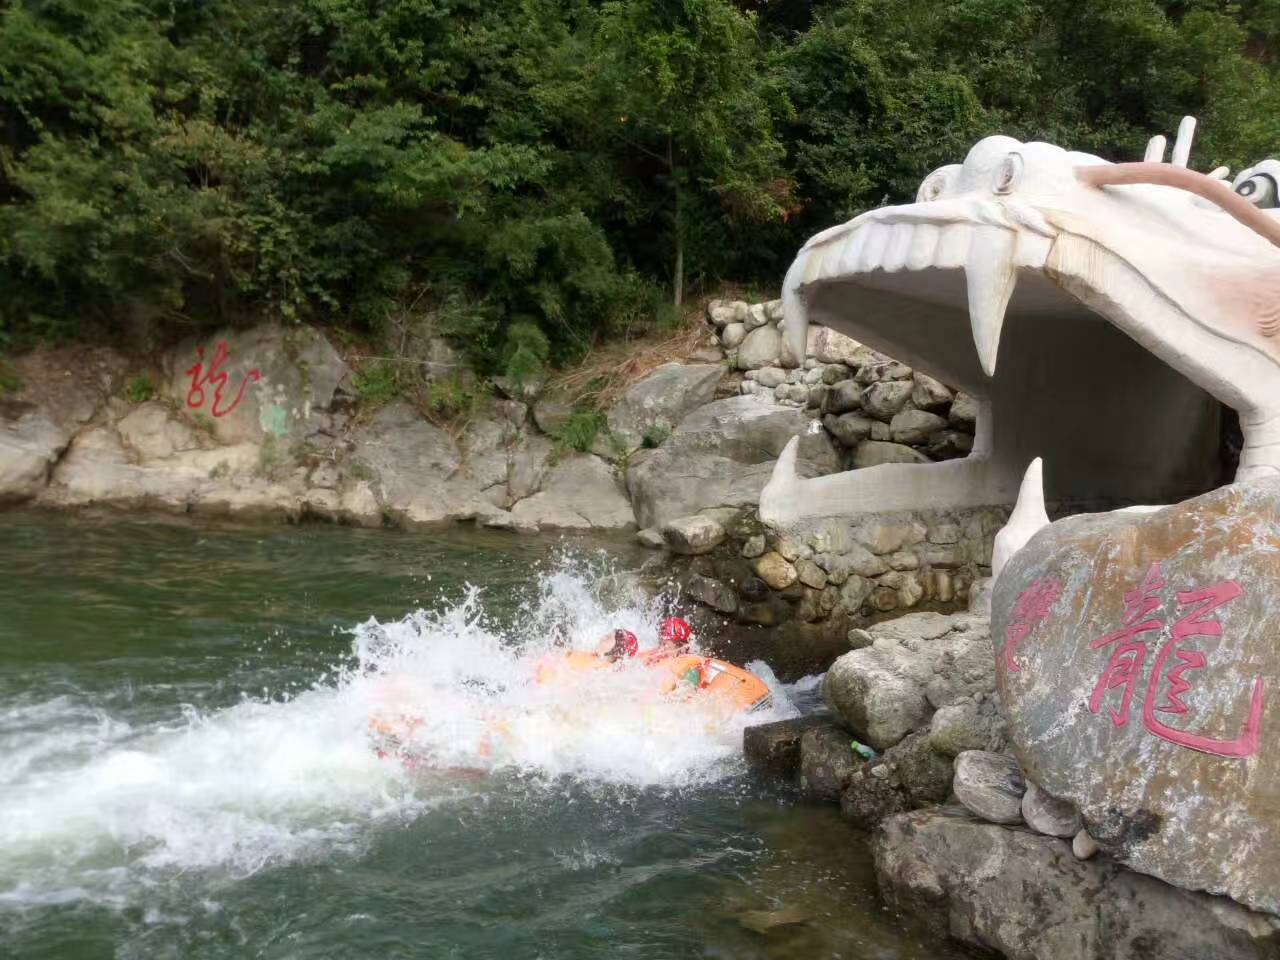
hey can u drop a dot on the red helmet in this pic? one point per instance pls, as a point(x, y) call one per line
point(625, 644)
point(675, 630)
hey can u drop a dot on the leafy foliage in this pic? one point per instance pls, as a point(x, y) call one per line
point(538, 165)
point(139, 389)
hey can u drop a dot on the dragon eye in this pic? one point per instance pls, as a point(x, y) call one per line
point(1261, 190)
point(1008, 173)
point(935, 184)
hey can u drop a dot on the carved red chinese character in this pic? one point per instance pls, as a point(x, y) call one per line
point(1031, 607)
point(1198, 624)
point(1126, 661)
point(200, 377)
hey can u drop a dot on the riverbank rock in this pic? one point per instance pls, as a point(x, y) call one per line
point(582, 492)
point(775, 747)
point(826, 762)
point(654, 406)
point(990, 785)
point(692, 535)
point(721, 455)
point(247, 385)
point(1026, 897)
point(914, 665)
point(1138, 665)
point(1049, 815)
point(55, 392)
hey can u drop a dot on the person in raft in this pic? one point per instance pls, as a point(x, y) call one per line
point(674, 634)
point(621, 643)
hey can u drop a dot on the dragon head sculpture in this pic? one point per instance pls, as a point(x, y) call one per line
point(1101, 314)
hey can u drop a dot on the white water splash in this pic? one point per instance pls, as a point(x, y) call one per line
point(93, 808)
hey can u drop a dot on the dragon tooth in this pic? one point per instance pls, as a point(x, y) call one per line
point(852, 251)
point(895, 256)
point(924, 244)
point(873, 251)
point(990, 275)
point(1027, 518)
point(953, 246)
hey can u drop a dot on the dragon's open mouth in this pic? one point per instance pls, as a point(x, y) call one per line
point(1085, 321)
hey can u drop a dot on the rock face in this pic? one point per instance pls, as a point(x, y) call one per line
point(247, 385)
point(914, 665)
point(581, 492)
point(1027, 897)
point(722, 455)
point(661, 400)
point(1138, 666)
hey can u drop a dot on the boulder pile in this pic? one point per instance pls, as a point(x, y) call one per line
point(878, 409)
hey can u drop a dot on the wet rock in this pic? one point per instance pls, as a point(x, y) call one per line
point(650, 537)
point(1049, 815)
point(879, 693)
point(826, 761)
point(1174, 771)
point(692, 535)
point(1026, 897)
point(754, 546)
point(990, 785)
point(715, 594)
point(872, 453)
point(869, 799)
point(775, 747)
point(774, 570)
point(915, 426)
point(661, 400)
point(885, 399)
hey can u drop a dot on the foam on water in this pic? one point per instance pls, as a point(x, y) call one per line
point(92, 807)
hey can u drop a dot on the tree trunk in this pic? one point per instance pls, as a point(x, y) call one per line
point(677, 279)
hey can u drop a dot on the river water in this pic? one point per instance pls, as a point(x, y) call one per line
point(187, 768)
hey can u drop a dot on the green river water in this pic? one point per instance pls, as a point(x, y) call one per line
point(186, 768)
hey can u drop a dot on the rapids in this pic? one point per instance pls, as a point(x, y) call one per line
point(187, 766)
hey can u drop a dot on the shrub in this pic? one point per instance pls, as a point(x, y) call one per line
point(139, 389)
point(376, 384)
point(655, 436)
point(579, 432)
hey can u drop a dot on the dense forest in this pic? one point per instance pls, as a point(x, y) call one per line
point(530, 175)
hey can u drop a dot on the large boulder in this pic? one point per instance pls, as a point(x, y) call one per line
point(30, 443)
point(915, 664)
point(661, 400)
point(760, 348)
point(582, 492)
point(1138, 666)
point(57, 391)
point(1027, 897)
point(246, 385)
point(722, 454)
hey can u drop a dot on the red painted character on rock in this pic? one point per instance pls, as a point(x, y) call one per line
point(1125, 666)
